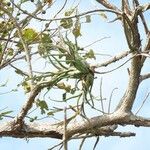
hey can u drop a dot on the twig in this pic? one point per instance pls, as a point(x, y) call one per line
point(108, 5)
point(111, 99)
point(79, 15)
point(142, 17)
point(96, 143)
point(142, 103)
point(95, 42)
point(101, 97)
point(113, 59)
point(65, 130)
point(144, 77)
point(27, 52)
point(82, 142)
point(55, 146)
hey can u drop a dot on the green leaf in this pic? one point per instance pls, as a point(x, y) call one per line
point(10, 51)
point(46, 38)
point(4, 84)
point(51, 113)
point(33, 119)
point(64, 97)
point(26, 86)
point(77, 30)
point(45, 44)
point(29, 35)
point(6, 113)
point(69, 12)
point(90, 54)
point(63, 86)
point(66, 23)
point(23, 1)
point(3, 114)
point(43, 105)
point(88, 18)
point(103, 15)
point(19, 72)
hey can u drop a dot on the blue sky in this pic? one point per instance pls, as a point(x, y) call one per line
point(97, 29)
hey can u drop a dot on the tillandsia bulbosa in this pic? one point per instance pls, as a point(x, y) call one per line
point(75, 59)
point(86, 72)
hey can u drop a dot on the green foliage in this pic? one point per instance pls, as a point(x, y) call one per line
point(5, 27)
point(69, 12)
point(29, 35)
point(45, 44)
point(33, 119)
point(26, 86)
point(66, 23)
point(64, 57)
point(90, 54)
point(23, 1)
point(103, 15)
point(77, 30)
point(4, 84)
point(3, 114)
point(42, 105)
point(62, 85)
point(10, 51)
point(88, 18)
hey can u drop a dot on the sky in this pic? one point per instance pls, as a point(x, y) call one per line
point(97, 29)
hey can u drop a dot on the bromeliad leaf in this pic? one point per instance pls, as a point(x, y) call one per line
point(3, 114)
point(33, 119)
point(23, 1)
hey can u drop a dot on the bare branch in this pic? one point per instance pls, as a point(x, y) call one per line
point(65, 131)
point(142, 103)
point(113, 59)
point(108, 5)
point(126, 7)
point(83, 127)
point(142, 18)
point(144, 77)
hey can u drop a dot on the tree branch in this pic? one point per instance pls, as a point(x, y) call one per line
point(142, 18)
point(32, 130)
point(113, 59)
point(144, 77)
point(108, 5)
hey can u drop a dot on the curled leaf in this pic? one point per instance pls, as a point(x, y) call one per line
point(103, 15)
point(77, 31)
point(88, 18)
point(69, 12)
point(66, 23)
